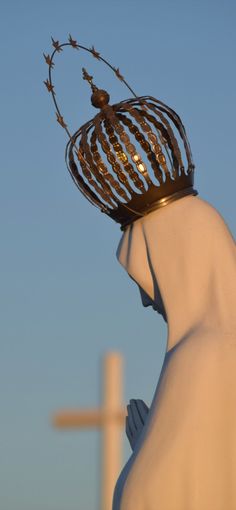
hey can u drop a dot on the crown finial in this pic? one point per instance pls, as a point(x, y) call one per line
point(89, 79)
point(99, 97)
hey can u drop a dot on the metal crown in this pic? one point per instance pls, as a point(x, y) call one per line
point(127, 160)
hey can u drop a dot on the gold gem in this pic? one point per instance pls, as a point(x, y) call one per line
point(157, 148)
point(111, 158)
point(102, 167)
point(130, 148)
point(142, 167)
point(161, 158)
point(152, 138)
point(129, 167)
point(139, 137)
point(117, 147)
point(136, 157)
point(122, 177)
point(119, 129)
point(122, 156)
point(113, 139)
point(124, 137)
point(145, 145)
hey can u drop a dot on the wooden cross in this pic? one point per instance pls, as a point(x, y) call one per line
point(110, 418)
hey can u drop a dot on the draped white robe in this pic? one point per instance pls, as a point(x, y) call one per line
point(185, 458)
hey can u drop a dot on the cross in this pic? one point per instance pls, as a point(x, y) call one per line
point(110, 418)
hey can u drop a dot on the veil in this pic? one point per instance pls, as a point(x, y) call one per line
point(186, 456)
point(187, 251)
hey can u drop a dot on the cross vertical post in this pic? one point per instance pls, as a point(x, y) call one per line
point(112, 432)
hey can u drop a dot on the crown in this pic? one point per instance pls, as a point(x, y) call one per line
point(133, 157)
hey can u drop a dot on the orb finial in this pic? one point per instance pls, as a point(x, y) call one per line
point(99, 97)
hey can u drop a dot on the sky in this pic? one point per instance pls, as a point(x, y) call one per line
point(65, 300)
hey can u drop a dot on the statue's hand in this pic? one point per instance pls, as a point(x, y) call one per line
point(137, 413)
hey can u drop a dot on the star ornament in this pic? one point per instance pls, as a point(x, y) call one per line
point(73, 42)
point(117, 71)
point(56, 45)
point(49, 86)
point(86, 76)
point(48, 60)
point(60, 120)
point(95, 53)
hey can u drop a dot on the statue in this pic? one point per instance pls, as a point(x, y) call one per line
point(133, 161)
point(184, 456)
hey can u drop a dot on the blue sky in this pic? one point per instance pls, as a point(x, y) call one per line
point(65, 301)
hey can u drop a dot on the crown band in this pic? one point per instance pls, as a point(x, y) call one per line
point(160, 203)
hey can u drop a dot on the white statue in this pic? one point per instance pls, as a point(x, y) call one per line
point(133, 161)
point(183, 258)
